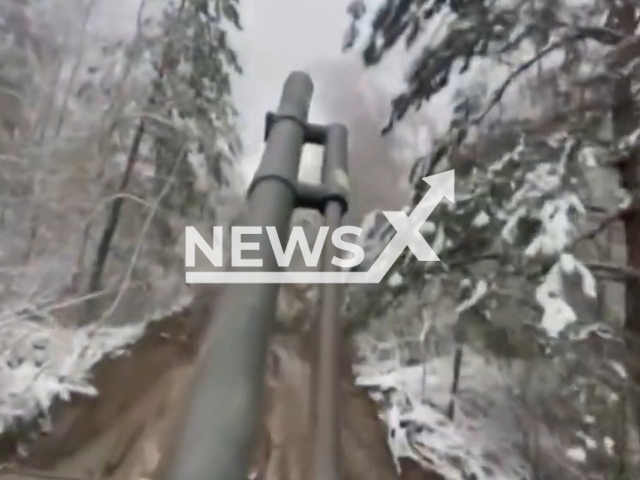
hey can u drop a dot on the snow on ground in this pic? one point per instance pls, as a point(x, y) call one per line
point(481, 440)
point(47, 362)
point(41, 362)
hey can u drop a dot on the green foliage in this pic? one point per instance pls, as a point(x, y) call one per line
point(195, 64)
point(523, 185)
point(468, 30)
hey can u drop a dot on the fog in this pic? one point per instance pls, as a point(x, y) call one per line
point(280, 36)
point(284, 35)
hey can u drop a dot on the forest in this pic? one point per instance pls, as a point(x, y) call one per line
point(512, 358)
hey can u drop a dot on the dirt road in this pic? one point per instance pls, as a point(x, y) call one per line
point(120, 434)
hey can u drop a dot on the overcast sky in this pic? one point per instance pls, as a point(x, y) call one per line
point(281, 36)
point(284, 35)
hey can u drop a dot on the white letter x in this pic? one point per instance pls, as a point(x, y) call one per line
point(408, 228)
point(408, 232)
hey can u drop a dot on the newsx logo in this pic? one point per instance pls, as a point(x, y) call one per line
point(407, 235)
point(282, 255)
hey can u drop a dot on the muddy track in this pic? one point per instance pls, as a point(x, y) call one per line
point(121, 433)
point(136, 392)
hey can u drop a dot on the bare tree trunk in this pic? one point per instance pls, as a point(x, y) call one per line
point(111, 224)
point(623, 18)
point(455, 382)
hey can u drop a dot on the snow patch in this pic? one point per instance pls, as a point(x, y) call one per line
point(43, 362)
point(479, 291)
point(558, 226)
point(395, 280)
point(577, 454)
point(475, 444)
point(481, 220)
point(571, 264)
point(558, 314)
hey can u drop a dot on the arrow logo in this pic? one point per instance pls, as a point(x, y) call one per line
point(408, 228)
point(407, 235)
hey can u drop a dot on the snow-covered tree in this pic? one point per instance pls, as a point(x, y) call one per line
point(187, 135)
point(542, 110)
point(192, 93)
point(132, 131)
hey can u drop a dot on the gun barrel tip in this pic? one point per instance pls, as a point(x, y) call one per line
point(299, 77)
point(300, 74)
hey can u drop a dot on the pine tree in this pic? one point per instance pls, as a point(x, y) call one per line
point(192, 94)
point(525, 148)
point(188, 125)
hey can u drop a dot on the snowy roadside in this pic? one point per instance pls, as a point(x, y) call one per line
point(479, 443)
point(42, 362)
